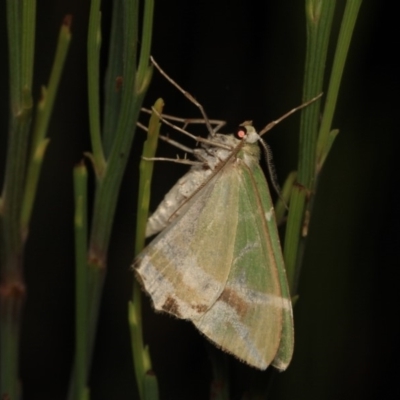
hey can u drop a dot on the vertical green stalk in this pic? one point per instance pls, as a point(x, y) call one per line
point(326, 136)
point(80, 222)
point(127, 81)
point(133, 91)
point(44, 110)
point(21, 39)
point(113, 79)
point(21, 175)
point(315, 141)
point(141, 357)
point(93, 59)
point(319, 15)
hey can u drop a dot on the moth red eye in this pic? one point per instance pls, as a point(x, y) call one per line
point(241, 132)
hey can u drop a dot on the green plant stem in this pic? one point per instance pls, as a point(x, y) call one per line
point(93, 59)
point(281, 206)
point(81, 318)
point(28, 42)
point(315, 144)
point(43, 114)
point(141, 359)
point(326, 137)
point(21, 37)
point(14, 52)
point(319, 15)
point(146, 174)
point(133, 92)
point(11, 307)
point(127, 106)
point(113, 79)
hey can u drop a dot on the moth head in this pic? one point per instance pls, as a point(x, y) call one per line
point(247, 132)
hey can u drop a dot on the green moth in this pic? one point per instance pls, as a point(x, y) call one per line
point(218, 261)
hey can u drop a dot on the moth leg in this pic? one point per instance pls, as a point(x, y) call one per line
point(176, 144)
point(216, 123)
point(185, 132)
point(175, 160)
point(171, 141)
point(186, 94)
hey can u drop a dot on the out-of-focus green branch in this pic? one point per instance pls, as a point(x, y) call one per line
point(22, 170)
point(127, 81)
point(141, 356)
point(315, 140)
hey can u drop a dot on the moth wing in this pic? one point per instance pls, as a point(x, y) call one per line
point(185, 268)
point(248, 317)
point(187, 185)
point(169, 208)
point(286, 346)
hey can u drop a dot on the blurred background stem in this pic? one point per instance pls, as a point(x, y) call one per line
point(145, 378)
point(127, 81)
point(22, 170)
point(315, 138)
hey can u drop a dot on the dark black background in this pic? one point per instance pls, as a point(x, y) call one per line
point(242, 60)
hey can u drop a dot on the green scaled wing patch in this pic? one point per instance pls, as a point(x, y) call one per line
point(185, 269)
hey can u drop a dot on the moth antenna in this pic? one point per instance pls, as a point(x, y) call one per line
point(186, 94)
point(284, 116)
point(271, 170)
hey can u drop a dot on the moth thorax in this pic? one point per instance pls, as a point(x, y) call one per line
point(251, 154)
point(251, 134)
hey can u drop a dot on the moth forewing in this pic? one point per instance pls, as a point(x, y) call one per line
point(210, 158)
point(186, 266)
point(286, 346)
point(172, 201)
